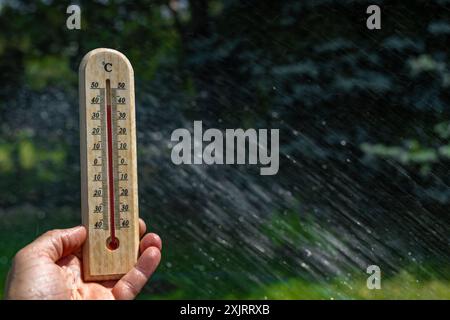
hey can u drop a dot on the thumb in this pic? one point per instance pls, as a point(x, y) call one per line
point(59, 243)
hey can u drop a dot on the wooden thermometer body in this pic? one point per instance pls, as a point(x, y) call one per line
point(108, 165)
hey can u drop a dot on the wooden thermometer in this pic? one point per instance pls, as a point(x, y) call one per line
point(109, 193)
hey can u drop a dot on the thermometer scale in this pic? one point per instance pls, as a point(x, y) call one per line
point(108, 165)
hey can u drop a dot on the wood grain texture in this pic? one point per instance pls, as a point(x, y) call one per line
point(99, 262)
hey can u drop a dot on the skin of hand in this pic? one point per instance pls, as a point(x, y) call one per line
point(50, 268)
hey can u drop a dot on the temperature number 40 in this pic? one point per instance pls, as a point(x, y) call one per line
point(95, 100)
point(98, 224)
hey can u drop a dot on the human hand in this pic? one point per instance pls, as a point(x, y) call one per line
point(50, 268)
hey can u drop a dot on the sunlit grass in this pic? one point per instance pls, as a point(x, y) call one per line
point(401, 286)
point(6, 161)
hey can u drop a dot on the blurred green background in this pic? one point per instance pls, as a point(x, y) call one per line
point(364, 138)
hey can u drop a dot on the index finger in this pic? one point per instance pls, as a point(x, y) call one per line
point(142, 228)
point(129, 286)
